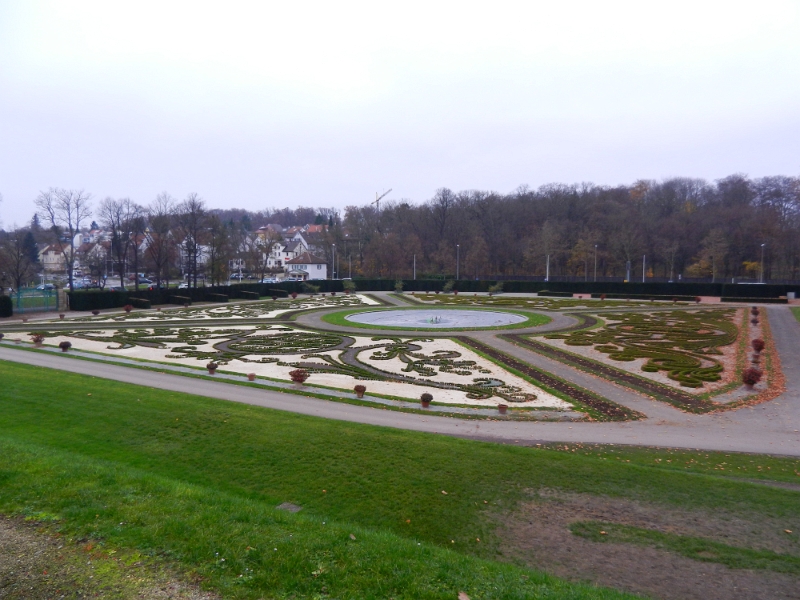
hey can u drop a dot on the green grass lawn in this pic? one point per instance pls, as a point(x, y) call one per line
point(195, 480)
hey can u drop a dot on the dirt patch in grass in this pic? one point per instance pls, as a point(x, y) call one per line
point(538, 535)
point(37, 565)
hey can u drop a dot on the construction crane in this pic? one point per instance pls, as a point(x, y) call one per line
point(378, 198)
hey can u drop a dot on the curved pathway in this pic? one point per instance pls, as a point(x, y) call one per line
point(771, 428)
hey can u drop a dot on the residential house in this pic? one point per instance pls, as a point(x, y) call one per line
point(307, 267)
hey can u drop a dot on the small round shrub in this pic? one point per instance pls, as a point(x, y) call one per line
point(37, 338)
point(360, 389)
point(127, 308)
point(65, 345)
point(294, 295)
point(754, 311)
point(751, 376)
point(298, 375)
point(212, 366)
point(426, 397)
point(754, 321)
point(697, 299)
point(95, 312)
point(757, 344)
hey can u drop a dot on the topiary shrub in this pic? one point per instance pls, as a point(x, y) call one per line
point(309, 288)
point(426, 398)
point(65, 345)
point(95, 312)
point(751, 376)
point(127, 308)
point(757, 344)
point(697, 299)
point(349, 287)
point(212, 366)
point(448, 286)
point(359, 390)
point(398, 286)
point(298, 376)
point(294, 295)
point(37, 338)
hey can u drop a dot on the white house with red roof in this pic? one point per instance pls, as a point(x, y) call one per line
point(307, 267)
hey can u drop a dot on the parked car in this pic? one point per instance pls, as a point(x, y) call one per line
point(269, 280)
point(145, 280)
point(183, 286)
point(46, 286)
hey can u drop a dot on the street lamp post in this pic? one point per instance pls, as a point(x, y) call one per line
point(762, 262)
point(644, 270)
point(547, 272)
point(595, 263)
point(333, 262)
point(458, 259)
point(415, 267)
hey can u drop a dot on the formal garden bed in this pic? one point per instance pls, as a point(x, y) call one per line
point(267, 309)
point(693, 359)
point(393, 367)
point(528, 301)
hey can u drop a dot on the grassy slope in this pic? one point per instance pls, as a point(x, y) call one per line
point(210, 468)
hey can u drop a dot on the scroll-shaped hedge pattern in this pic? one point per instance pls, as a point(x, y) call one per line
point(681, 343)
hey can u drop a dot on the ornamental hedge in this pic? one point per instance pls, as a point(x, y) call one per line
point(6, 306)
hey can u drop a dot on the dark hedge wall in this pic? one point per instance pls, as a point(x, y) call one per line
point(6, 306)
point(99, 299)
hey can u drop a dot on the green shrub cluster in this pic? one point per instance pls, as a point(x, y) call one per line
point(681, 343)
point(751, 300)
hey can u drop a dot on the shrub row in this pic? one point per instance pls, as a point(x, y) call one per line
point(644, 297)
point(212, 297)
point(549, 294)
point(139, 302)
point(6, 306)
point(759, 300)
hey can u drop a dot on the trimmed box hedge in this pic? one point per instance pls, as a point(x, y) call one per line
point(139, 302)
point(249, 295)
point(6, 306)
point(755, 300)
point(180, 300)
point(212, 297)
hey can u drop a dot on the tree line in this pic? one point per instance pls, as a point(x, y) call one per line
point(675, 228)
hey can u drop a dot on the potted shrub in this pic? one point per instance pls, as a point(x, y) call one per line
point(750, 377)
point(757, 344)
point(65, 345)
point(274, 297)
point(455, 292)
point(602, 296)
point(185, 305)
point(127, 308)
point(212, 367)
point(425, 399)
point(299, 377)
point(294, 295)
point(754, 320)
point(95, 312)
point(333, 293)
point(502, 408)
point(697, 299)
point(754, 311)
point(37, 339)
point(359, 390)
point(1, 336)
point(61, 316)
point(251, 377)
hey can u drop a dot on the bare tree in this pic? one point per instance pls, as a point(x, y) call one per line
point(15, 258)
point(65, 211)
point(120, 216)
point(161, 249)
point(191, 220)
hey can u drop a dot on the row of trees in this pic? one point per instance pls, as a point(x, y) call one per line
point(684, 227)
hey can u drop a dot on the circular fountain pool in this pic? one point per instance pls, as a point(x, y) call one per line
point(436, 318)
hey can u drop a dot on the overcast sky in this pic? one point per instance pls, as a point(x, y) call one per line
point(258, 105)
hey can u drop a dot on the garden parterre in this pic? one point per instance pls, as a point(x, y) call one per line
point(265, 309)
point(396, 367)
